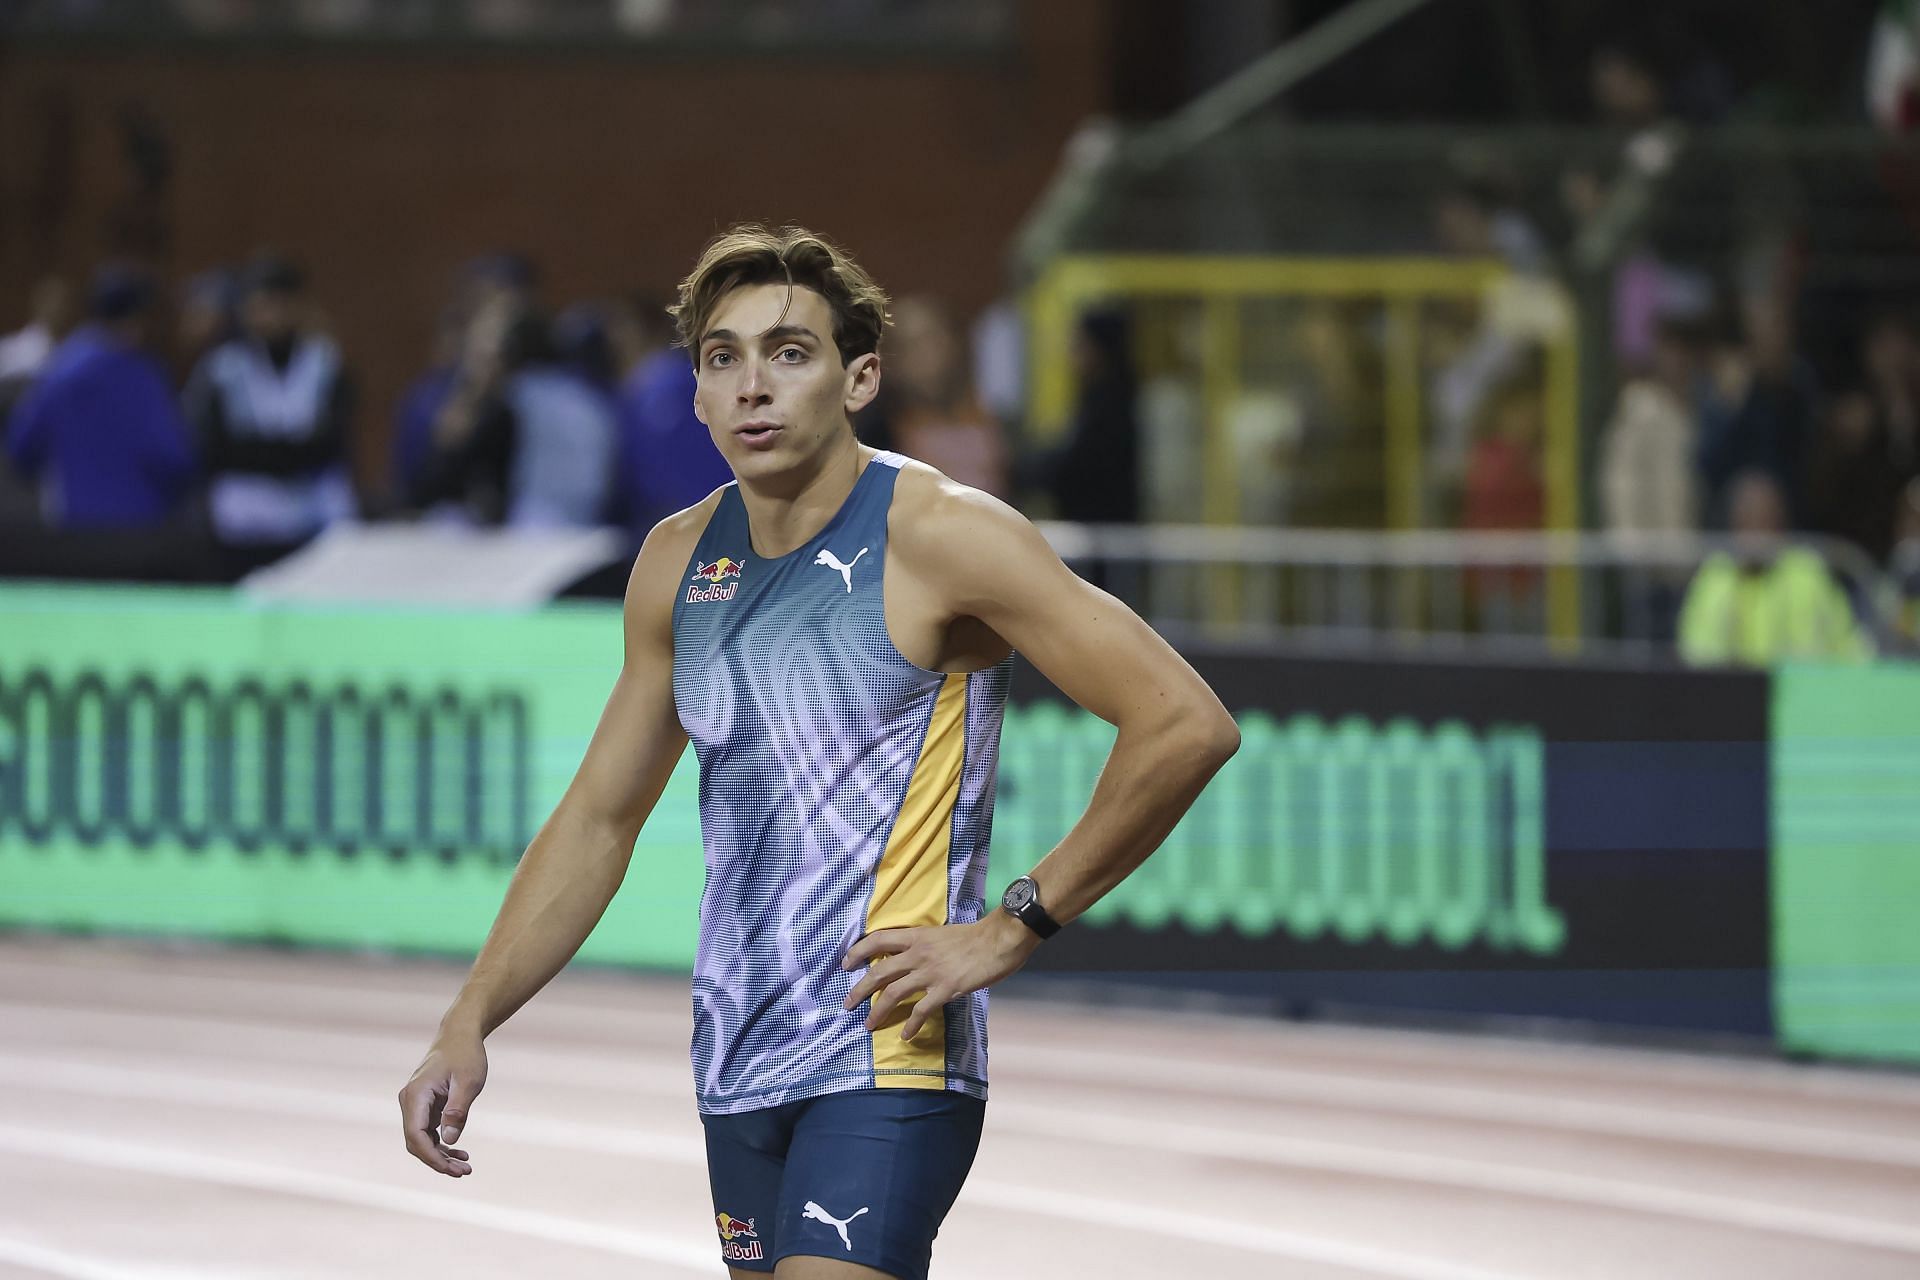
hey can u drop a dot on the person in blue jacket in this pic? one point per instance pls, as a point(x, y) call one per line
point(100, 433)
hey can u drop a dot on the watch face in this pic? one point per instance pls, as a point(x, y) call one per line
point(1018, 894)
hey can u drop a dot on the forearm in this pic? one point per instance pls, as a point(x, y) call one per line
point(1150, 781)
point(562, 887)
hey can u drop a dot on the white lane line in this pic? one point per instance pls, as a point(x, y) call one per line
point(1584, 1190)
point(94, 1080)
point(1115, 1216)
point(1465, 1102)
point(652, 1072)
point(1107, 1129)
point(669, 1148)
point(168, 1162)
point(59, 1262)
point(635, 997)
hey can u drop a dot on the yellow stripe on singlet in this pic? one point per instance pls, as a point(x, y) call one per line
point(910, 884)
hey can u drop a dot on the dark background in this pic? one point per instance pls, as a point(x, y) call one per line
point(1656, 841)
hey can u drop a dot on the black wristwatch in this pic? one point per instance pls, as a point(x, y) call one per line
point(1022, 902)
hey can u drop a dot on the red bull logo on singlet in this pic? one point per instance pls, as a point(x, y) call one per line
point(714, 576)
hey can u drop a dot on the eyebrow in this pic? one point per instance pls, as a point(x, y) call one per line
point(779, 333)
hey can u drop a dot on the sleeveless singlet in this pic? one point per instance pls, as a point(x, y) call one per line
point(842, 790)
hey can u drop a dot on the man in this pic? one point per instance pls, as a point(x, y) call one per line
point(847, 739)
point(99, 433)
point(521, 440)
point(667, 460)
point(1769, 601)
point(272, 409)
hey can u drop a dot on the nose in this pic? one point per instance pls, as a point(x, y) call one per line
point(754, 389)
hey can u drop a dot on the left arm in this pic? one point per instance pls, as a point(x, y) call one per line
point(981, 559)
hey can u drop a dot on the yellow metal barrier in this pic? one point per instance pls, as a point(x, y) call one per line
point(1402, 288)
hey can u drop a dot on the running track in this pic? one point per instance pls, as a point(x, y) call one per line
point(200, 1114)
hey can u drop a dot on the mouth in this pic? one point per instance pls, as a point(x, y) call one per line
point(757, 435)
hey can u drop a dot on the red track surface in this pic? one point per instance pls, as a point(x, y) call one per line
point(205, 1114)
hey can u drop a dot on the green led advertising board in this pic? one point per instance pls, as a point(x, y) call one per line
point(1846, 860)
point(180, 763)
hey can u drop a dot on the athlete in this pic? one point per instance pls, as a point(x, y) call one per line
point(833, 631)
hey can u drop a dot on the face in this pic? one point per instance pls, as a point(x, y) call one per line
point(923, 351)
point(270, 316)
point(1889, 352)
point(1461, 226)
point(1756, 508)
point(1769, 332)
point(1623, 89)
point(770, 387)
point(1906, 523)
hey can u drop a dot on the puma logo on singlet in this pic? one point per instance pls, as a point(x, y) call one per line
point(818, 1214)
point(832, 561)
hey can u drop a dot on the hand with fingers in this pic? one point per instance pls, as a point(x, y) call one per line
point(928, 967)
point(434, 1104)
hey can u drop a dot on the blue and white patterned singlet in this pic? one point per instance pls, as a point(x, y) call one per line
point(842, 790)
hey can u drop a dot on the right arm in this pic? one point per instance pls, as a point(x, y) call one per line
point(574, 865)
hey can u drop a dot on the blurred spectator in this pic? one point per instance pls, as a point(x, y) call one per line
point(420, 406)
point(1903, 565)
point(667, 458)
point(522, 439)
point(927, 408)
point(565, 436)
point(1093, 473)
point(1870, 444)
point(1647, 480)
point(26, 350)
point(1472, 220)
point(494, 284)
point(1893, 68)
point(209, 317)
point(637, 330)
point(1504, 490)
point(99, 432)
point(583, 343)
point(1000, 362)
point(272, 409)
point(1614, 200)
point(1761, 413)
point(1765, 600)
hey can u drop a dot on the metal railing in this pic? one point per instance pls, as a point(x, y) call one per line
point(1479, 593)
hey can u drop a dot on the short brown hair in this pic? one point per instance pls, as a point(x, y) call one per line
point(750, 254)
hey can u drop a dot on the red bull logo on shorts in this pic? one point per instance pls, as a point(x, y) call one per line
point(714, 576)
point(732, 1232)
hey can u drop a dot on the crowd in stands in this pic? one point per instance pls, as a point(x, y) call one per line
point(218, 427)
point(513, 19)
point(219, 418)
point(1723, 423)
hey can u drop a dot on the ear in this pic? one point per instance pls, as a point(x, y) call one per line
point(863, 382)
point(698, 411)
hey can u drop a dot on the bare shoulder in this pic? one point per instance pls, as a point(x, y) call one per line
point(965, 538)
point(655, 580)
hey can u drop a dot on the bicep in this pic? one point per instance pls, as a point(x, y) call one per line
point(639, 739)
point(633, 751)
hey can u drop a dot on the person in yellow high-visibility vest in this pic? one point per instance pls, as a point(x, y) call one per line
point(1766, 602)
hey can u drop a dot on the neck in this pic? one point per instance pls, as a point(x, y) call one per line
point(784, 511)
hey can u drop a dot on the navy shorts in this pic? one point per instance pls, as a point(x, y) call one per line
point(866, 1175)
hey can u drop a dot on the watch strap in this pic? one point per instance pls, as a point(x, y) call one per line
point(1035, 916)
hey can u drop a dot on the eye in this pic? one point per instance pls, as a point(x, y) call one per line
point(797, 354)
point(719, 359)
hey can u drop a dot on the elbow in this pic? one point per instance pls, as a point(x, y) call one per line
point(1209, 736)
point(1223, 739)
